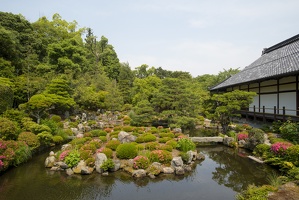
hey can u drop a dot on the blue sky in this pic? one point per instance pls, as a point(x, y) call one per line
point(197, 36)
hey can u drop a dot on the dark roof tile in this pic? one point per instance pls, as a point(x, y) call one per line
point(280, 59)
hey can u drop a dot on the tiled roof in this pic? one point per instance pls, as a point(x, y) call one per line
point(280, 59)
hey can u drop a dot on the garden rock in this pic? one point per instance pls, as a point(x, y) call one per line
point(125, 137)
point(200, 156)
point(69, 171)
point(66, 147)
point(155, 168)
point(168, 170)
point(100, 159)
point(139, 173)
point(50, 160)
point(62, 165)
point(177, 130)
point(241, 143)
point(228, 140)
point(116, 165)
point(191, 155)
point(177, 162)
point(179, 170)
point(75, 131)
point(187, 168)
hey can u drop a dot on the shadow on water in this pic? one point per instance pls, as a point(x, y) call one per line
point(221, 175)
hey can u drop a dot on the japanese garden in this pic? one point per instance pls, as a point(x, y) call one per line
point(73, 113)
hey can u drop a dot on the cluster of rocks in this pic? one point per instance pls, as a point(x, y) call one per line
point(176, 167)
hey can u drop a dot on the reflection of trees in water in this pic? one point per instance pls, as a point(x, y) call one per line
point(234, 171)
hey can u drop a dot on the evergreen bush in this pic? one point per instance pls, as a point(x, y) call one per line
point(126, 151)
point(30, 139)
point(185, 144)
point(113, 144)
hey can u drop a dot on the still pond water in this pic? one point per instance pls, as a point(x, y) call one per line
point(223, 174)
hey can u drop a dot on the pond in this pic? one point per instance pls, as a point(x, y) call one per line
point(221, 175)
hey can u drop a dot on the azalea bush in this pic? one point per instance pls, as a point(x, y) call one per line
point(30, 139)
point(141, 162)
point(161, 156)
point(63, 155)
point(279, 148)
point(242, 136)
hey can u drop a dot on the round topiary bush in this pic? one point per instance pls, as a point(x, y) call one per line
point(147, 137)
point(164, 139)
point(172, 143)
point(165, 147)
point(57, 139)
point(30, 139)
point(126, 151)
point(167, 134)
point(113, 144)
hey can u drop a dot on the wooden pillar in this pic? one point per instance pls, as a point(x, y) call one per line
point(297, 94)
point(254, 117)
point(259, 97)
point(283, 113)
point(274, 113)
point(264, 117)
point(277, 96)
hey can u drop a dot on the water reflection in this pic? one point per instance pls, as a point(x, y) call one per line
point(234, 169)
point(223, 173)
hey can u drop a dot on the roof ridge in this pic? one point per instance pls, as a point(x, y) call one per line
point(281, 44)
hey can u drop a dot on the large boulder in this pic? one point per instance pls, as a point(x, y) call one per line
point(125, 137)
point(100, 159)
point(116, 165)
point(82, 168)
point(179, 170)
point(191, 156)
point(50, 160)
point(177, 162)
point(155, 169)
point(168, 170)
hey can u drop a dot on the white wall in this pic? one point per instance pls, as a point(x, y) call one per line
point(269, 101)
point(289, 101)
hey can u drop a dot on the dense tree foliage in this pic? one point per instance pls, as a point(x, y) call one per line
point(53, 67)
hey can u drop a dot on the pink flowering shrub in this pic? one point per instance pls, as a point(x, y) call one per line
point(141, 162)
point(279, 148)
point(63, 155)
point(161, 156)
point(242, 136)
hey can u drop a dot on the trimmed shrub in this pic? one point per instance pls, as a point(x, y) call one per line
point(128, 128)
point(184, 156)
point(9, 130)
point(113, 144)
point(172, 143)
point(77, 141)
point(261, 150)
point(146, 137)
point(141, 162)
point(185, 145)
point(292, 154)
point(97, 133)
point(30, 139)
point(103, 138)
point(85, 154)
point(151, 145)
point(45, 138)
point(73, 158)
point(164, 139)
point(165, 147)
point(56, 118)
point(167, 134)
point(37, 128)
point(108, 152)
point(57, 139)
point(160, 156)
point(89, 146)
point(90, 161)
point(257, 134)
point(290, 131)
point(126, 151)
point(140, 147)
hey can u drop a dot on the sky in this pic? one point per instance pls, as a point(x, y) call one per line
point(196, 36)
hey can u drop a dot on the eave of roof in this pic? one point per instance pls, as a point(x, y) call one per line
point(278, 60)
